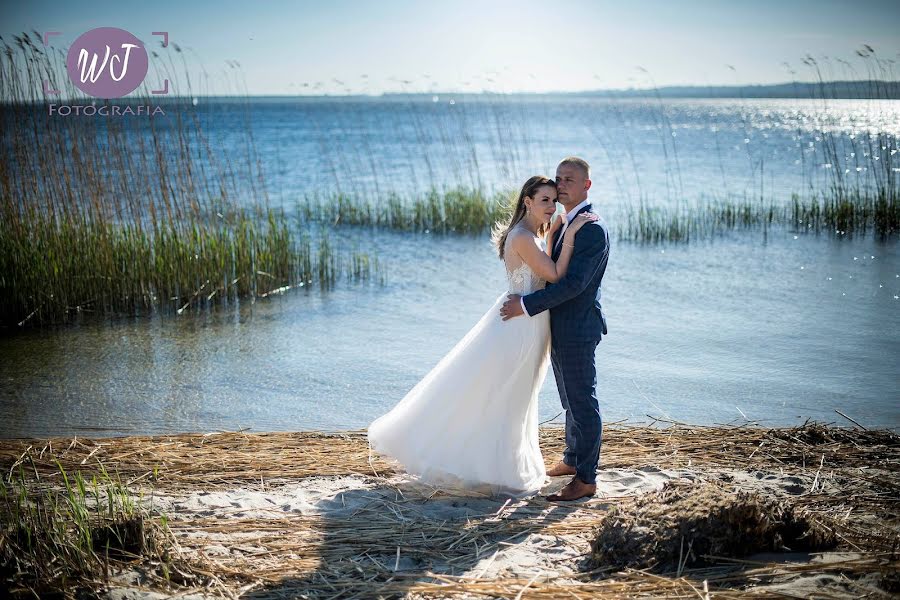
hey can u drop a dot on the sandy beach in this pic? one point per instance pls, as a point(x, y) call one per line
point(680, 511)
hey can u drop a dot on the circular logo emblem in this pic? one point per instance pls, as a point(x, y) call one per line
point(107, 62)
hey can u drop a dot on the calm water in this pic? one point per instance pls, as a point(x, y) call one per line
point(778, 328)
point(780, 331)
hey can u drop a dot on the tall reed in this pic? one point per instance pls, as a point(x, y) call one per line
point(712, 217)
point(137, 213)
point(457, 210)
point(742, 195)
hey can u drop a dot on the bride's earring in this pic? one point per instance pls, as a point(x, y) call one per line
point(528, 214)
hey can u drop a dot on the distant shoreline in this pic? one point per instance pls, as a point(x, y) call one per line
point(830, 90)
point(838, 90)
point(869, 89)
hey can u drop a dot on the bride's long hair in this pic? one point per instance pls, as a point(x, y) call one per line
point(501, 229)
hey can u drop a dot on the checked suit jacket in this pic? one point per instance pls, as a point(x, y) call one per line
point(576, 314)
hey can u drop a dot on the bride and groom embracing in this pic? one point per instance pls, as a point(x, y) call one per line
point(472, 422)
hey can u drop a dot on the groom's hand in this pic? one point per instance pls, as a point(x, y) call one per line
point(511, 308)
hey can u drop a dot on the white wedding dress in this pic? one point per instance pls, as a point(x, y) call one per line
point(472, 423)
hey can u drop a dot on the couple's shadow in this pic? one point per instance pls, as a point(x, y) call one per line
point(384, 536)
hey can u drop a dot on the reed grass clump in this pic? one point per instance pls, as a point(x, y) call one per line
point(471, 211)
point(65, 532)
point(655, 224)
point(837, 216)
point(53, 269)
point(139, 214)
point(454, 210)
point(850, 214)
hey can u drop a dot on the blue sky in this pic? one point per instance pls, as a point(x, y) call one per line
point(339, 46)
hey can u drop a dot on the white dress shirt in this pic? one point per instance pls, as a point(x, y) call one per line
point(568, 219)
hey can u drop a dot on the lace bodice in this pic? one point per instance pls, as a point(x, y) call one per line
point(522, 280)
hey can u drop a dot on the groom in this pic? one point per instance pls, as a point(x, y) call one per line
point(576, 326)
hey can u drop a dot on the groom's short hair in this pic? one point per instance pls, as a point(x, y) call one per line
point(577, 162)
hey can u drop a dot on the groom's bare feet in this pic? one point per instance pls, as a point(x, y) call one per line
point(574, 490)
point(561, 468)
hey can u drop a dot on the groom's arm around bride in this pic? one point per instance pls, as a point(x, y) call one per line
point(588, 261)
point(587, 265)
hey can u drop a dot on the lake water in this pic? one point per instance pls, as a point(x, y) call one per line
point(778, 327)
point(659, 151)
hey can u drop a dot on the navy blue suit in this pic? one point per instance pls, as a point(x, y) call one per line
point(577, 324)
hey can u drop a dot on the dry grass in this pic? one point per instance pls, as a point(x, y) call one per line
point(693, 526)
point(289, 554)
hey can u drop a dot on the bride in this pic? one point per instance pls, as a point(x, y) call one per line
point(472, 422)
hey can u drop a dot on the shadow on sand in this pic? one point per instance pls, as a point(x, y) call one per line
point(388, 538)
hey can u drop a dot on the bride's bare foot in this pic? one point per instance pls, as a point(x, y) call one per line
point(560, 469)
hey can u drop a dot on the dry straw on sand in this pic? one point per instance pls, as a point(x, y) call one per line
point(689, 526)
point(312, 514)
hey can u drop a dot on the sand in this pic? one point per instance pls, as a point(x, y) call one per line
point(382, 533)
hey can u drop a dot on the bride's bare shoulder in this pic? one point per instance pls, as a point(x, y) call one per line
point(518, 238)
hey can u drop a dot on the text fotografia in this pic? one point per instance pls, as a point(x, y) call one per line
point(106, 110)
